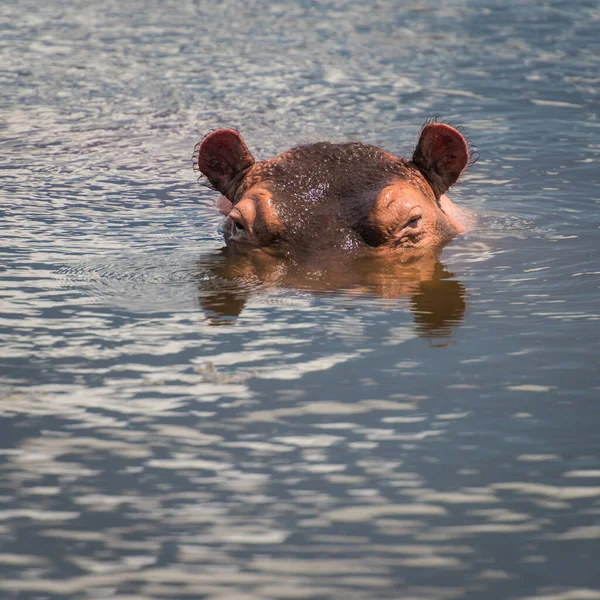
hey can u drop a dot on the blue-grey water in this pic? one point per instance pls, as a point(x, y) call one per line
point(175, 425)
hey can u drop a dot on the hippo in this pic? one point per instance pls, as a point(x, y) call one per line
point(351, 197)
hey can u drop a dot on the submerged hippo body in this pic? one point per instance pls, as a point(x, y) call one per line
point(353, 197)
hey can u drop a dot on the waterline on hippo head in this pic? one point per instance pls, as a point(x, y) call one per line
point(354, 197)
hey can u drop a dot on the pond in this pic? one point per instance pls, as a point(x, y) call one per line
point(175, 424)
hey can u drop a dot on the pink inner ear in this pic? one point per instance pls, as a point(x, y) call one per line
point(441, 155)
point(223, 143)
point(222, 156)
point(448, 146)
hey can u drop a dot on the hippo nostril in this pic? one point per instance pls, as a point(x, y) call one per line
point(238, 222)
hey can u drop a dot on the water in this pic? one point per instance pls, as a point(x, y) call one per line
point(175, 424)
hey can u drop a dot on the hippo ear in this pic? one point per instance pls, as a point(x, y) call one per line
point(441, 155)
point(222, 158)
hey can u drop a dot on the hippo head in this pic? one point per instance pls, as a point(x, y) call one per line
point(353, 197)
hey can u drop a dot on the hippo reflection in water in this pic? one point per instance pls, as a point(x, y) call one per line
point(227, 279)
point(356, 214)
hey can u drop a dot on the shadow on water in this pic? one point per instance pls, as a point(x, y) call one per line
point(226, 280)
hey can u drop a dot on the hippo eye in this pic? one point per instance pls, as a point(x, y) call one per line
point(414, 221)
point(239, 226)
